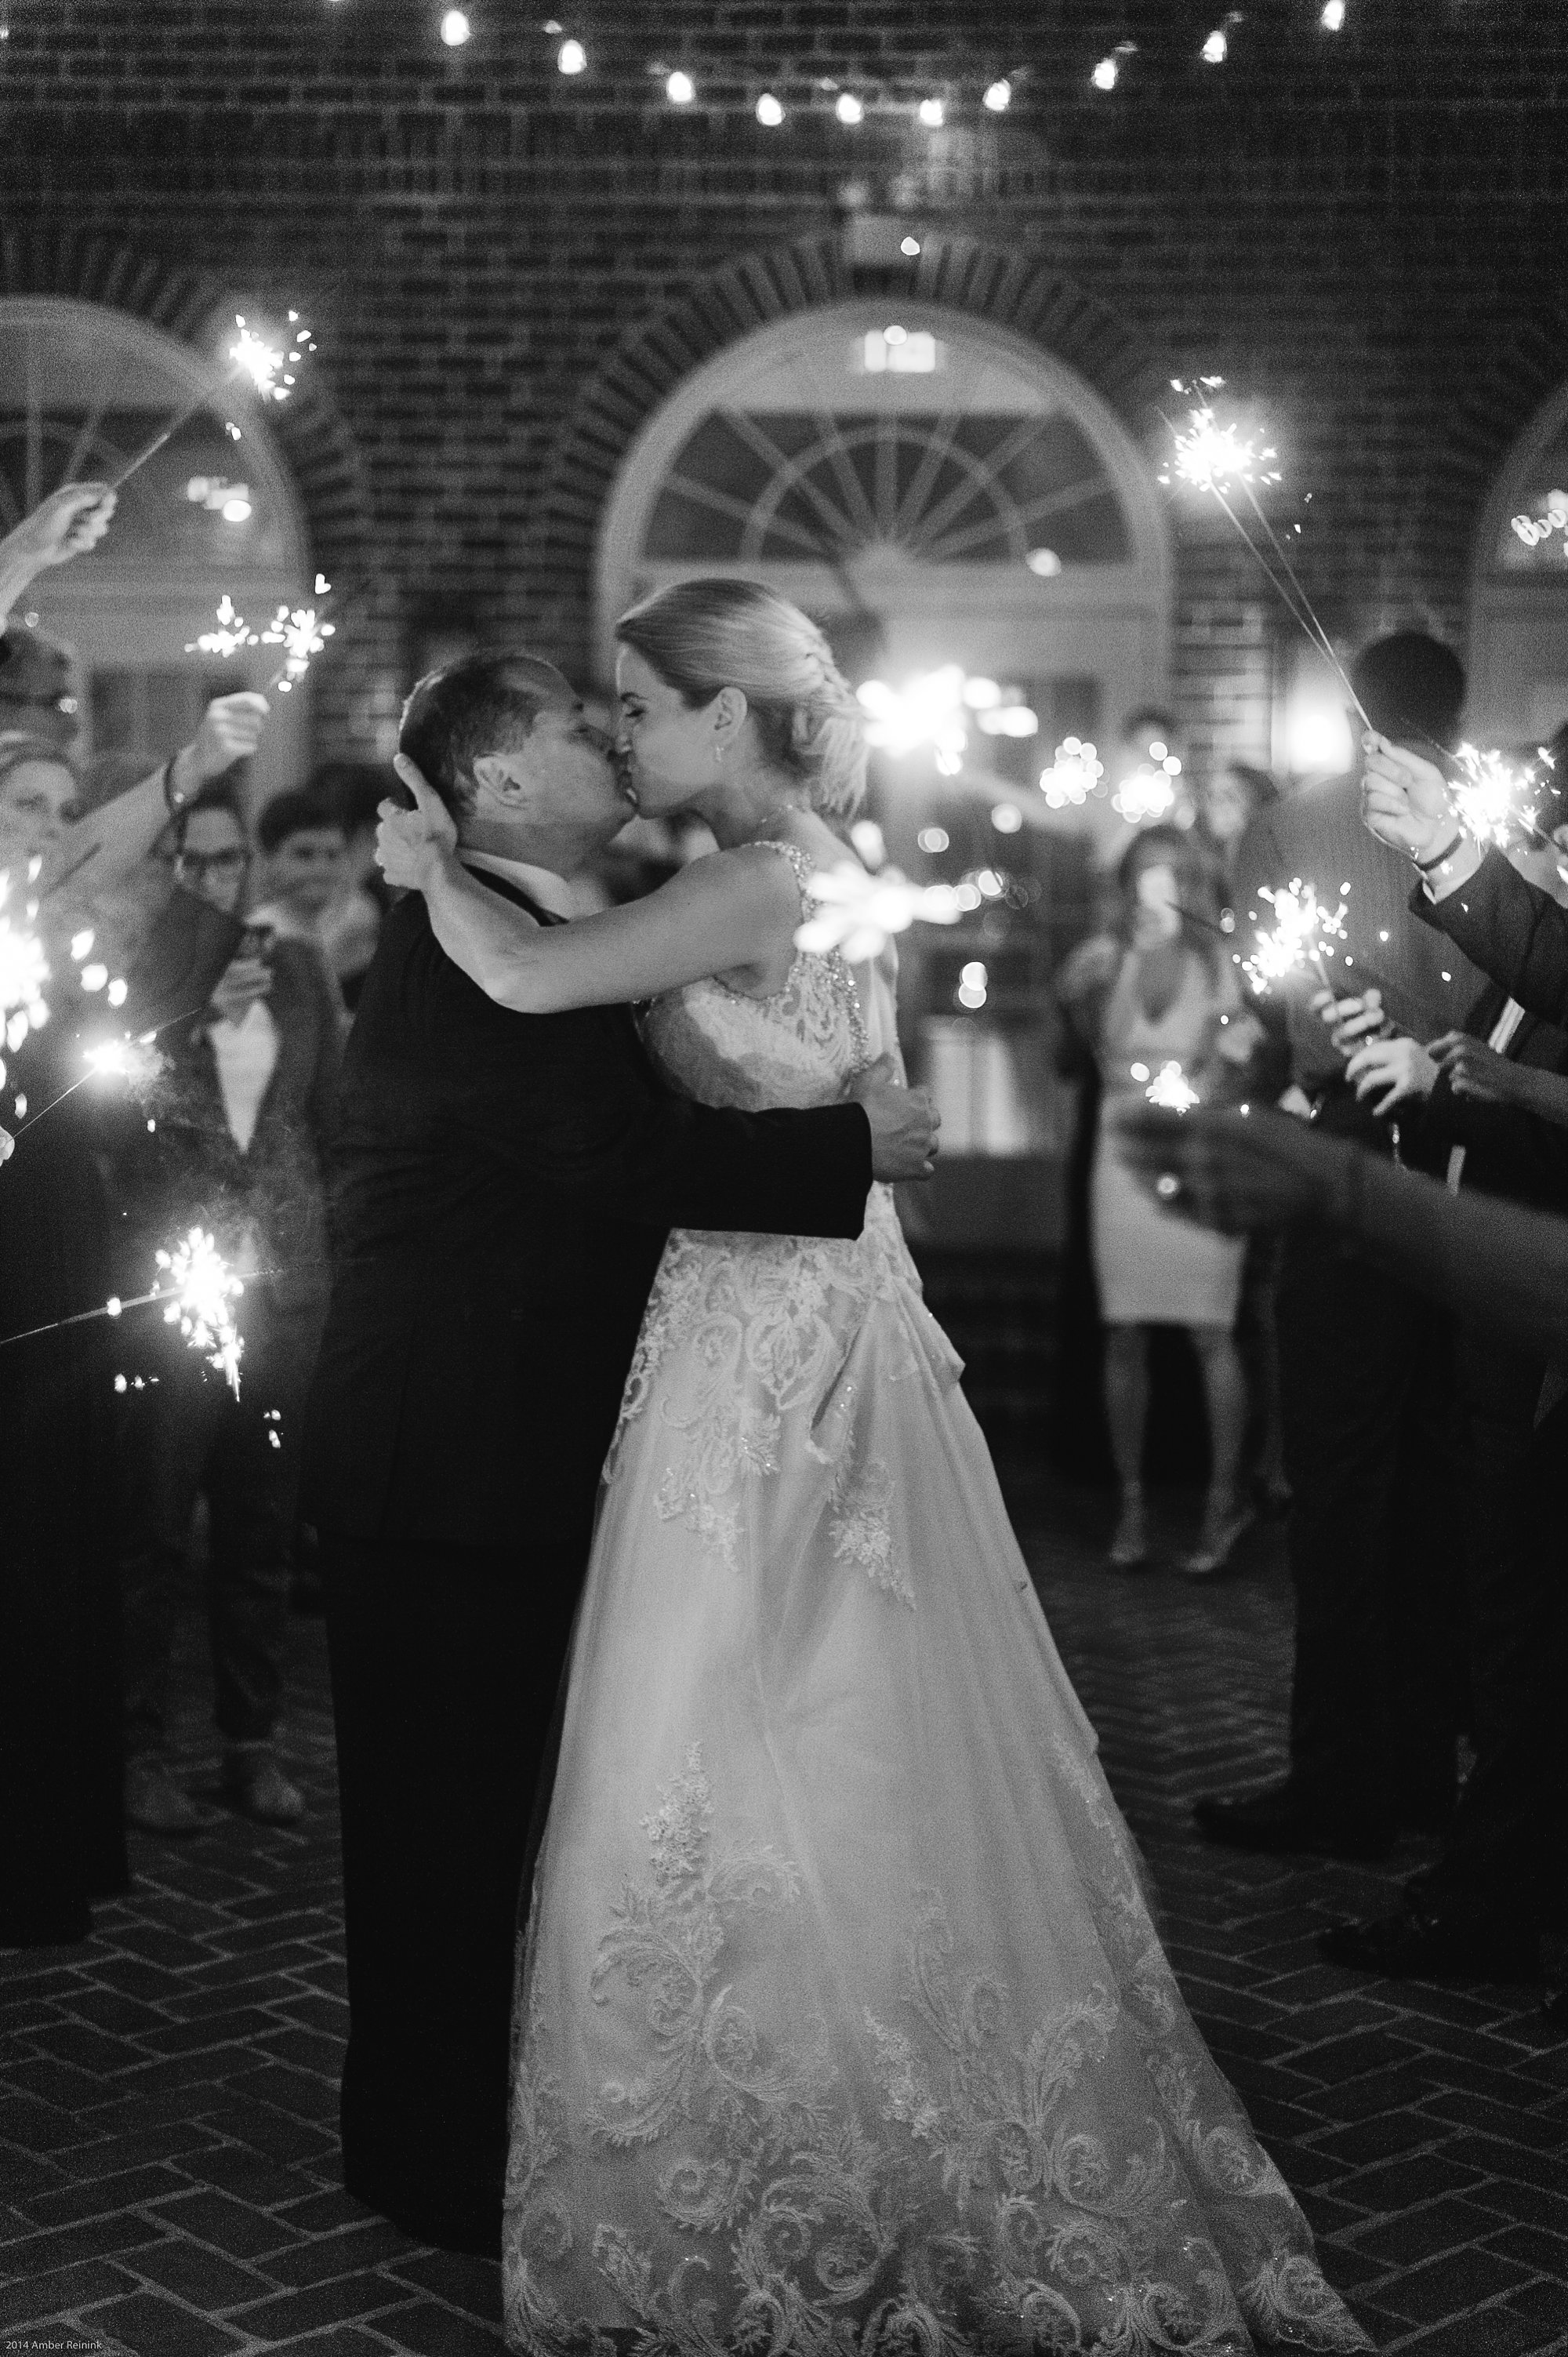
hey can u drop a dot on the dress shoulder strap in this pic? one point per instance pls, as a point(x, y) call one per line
point(800, 861)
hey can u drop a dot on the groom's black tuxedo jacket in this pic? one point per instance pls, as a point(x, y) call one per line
point(501, 1187)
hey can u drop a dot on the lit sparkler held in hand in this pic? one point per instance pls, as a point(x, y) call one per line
point(858, 913)
point(1303, 926)
point(267, 368)
point(1218, 460)
point(1075, 772)
point(202, 1289)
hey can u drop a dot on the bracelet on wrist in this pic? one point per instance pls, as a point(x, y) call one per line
point(1440, 858)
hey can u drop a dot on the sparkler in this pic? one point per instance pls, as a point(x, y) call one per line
point(1075, 772)
point(24, 970)
point(232, 633)
point(267, 367)
point(1302, 925)
point(1215, 459)
point(858, 913)
point(302, 634)
point(205, 1289)
point(1533, 529)
point(1171, 1088)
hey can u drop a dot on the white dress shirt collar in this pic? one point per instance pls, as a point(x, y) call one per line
point(542, 885)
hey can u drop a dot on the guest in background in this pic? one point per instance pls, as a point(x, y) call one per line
point(304, 866)
point(61, 1744)
point(1161, 991)
point(352, 793)
point(242, 1120)
point(1227, 805)
point(1376, 1688)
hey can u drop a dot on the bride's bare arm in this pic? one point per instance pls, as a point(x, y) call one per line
point(733, 910)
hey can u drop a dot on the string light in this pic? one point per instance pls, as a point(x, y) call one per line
point(1217, 47)
point(1333, 16)
point(680, 89)
point(909, 247)
point(848, 108)
point(456, 28)
point(932, 113)
point(1106, 74)
point(571, 58)
point(999, 96)
point(768, 111)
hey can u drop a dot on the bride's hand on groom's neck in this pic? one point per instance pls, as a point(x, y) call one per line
point(411, 846)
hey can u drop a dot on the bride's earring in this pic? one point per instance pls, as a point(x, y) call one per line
point(718, 756)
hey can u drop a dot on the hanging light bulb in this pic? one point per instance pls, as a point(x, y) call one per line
point(571, 58)
point(1105, 73)
point(909, 247)
point(456, 28)
point(999, 97)
point(1217, 47)
point(847, 107)
point(680, 90)
point(933, 114)
point(768, 111)
point(1333, 16)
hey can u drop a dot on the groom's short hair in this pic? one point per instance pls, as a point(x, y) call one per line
point(481, 704)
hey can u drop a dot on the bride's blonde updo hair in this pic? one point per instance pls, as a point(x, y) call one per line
point(701, 636)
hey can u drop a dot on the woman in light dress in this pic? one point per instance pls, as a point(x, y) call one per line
point(1159, 992)
point(842, 2025)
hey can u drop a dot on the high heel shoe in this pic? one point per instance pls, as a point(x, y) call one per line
point(1217, 1543)
point(1130, 1546)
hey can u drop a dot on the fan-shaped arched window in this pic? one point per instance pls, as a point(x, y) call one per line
point(915, 472)
point(1518, 636)
point(82, 390)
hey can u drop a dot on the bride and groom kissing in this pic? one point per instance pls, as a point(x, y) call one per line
point(674, 1613)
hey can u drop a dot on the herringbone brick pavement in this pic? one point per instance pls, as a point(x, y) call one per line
point(168, 2167)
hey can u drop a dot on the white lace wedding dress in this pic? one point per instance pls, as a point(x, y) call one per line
point(842, 2026)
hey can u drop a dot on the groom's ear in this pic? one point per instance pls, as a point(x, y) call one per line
point(495, 773)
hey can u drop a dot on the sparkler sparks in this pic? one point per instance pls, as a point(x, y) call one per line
point(1534, 529)
point(231, 634)
point(204, 1291)
point(24, 970)
point(1075, 772)
point(1302, 928)
point(1491, 797)
point(1211, 456)
point(1171, 1088)
point(301, 633)
point(858, 913)
point(138, 1062)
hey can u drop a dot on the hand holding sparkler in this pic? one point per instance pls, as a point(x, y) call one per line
point(204, 1290)
point(69, 523)
point(231, 728)
point(1354, 1020)
point(1400, 1067)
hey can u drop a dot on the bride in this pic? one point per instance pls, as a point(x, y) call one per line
point(842, 2025)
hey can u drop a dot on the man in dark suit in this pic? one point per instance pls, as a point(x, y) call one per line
point(1372, 1739)
point(242, 1112)
point(503, 1186)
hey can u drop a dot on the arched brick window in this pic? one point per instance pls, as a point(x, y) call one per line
point(914, 477)
point(82, 388)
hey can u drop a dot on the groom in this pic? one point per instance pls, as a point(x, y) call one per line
point(502, 1189)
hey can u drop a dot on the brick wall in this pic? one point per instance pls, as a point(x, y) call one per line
point(503, 267)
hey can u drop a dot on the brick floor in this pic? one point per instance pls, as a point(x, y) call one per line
point(168, 2167)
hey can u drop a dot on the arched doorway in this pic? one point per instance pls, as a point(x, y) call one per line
point(82, 388)
point(945, 498)
point(1518, 612)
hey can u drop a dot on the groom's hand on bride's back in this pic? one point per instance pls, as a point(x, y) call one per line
point(903, 1124)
